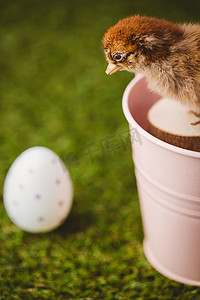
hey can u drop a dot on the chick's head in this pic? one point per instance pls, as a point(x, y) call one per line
point(136, 42)
point(120, 51)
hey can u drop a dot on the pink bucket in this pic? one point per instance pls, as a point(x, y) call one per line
point(168, 180)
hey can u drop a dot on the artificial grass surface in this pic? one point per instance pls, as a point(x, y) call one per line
point(54, 93)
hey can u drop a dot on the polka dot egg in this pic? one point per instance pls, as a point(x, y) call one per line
point(38, 191)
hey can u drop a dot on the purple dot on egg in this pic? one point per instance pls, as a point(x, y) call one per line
point(58, 181)
point(38, 196)
point(15, 203)
point(40, 219)
point(54, 161)
point(61, 203)
point(21, 186)
point(30, 171)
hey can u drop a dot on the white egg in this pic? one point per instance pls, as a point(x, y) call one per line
point(38, 191)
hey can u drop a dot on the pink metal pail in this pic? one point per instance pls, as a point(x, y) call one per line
point(168, 180)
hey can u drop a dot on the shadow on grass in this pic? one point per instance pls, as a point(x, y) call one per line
point(76, 222)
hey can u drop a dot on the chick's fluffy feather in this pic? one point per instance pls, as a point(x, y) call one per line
point(167, 54)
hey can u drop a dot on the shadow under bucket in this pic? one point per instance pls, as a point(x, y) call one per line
point(168, 180)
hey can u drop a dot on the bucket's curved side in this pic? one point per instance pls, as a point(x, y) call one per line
point(169, 193)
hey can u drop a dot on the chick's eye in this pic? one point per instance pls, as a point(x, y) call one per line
point(117, 56)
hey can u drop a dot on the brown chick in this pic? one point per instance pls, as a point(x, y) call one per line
point(167, 54)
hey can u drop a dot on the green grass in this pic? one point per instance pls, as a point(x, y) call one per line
point(54, 93)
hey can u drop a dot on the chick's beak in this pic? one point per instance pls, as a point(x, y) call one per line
point(111, 69)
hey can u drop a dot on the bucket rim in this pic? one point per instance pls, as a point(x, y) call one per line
point(148, 136)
